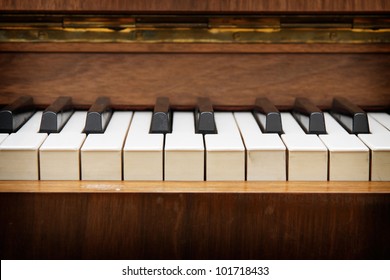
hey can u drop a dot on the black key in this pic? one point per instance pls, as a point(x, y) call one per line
point(204, 117)
point(309, 116)
point(267, 116)
point(162, 117)
point(98, 116)
point(56, 115)
point(14, 115)
point(350, 116)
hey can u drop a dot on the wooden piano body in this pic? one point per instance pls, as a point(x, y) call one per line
point(231, 52)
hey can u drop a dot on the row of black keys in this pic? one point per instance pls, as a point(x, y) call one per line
point(309, 116)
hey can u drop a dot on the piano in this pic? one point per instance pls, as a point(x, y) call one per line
point(207, 130)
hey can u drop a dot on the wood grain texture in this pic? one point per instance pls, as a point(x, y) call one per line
point(191, 187)
point(227, 79)
point(199, 6)
point(194, 226)
point(193, 48)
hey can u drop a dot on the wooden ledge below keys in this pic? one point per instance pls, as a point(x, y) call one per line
point(191, 187)
point(194, 220)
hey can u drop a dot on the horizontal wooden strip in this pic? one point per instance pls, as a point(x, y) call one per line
point(193, 48)
point(192, 187)
point(194, 226)
point(199, 6)
point(227, 79)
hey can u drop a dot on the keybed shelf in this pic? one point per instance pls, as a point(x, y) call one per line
point(232, 187)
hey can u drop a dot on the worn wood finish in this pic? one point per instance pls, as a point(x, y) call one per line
point(193, 48)
point(194, 226)
point(227, 79)
point(192, 187)
point(199, 6)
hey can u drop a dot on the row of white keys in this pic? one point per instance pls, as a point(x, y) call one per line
point(307, 155)
point(378, 140)
point(265, 152)
point(348, 156)
point(19, 158)
point(59, 155)
point(225, 152)
point(101, 154)
point(184, 150)
point(143, 151)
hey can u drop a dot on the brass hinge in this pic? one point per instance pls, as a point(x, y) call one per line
point(115, 23)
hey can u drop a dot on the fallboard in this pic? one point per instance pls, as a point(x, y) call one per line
point(231, 59)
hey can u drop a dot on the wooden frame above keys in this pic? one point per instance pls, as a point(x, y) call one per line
point(252, 6)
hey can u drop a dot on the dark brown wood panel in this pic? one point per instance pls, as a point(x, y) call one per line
point(194, 226)
point(193, 48)
point(227, 79)
point(199, 6)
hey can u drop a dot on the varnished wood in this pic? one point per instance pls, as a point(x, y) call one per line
point(191, 187)
point(193, 48)
point(227, 79)
point(194, 225)
point(250, 6)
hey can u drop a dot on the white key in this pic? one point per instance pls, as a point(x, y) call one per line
point(76, 123)
point(32, 125)
point(307, 155)
point(184, 123)
point(59, 156)
point(184, 150)
point(265, 153)
point(101, 154)
point(143, 152)
point(376, 127)
point(3, 136)
point(19, 152)
point(333, 126)
point(379, 143)
point(225, 158)
point(290, 125)
point(348, 156)
point(382, 118)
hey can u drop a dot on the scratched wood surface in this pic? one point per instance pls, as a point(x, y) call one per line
point(227, 79)
point(199, 6)
point(193, 48)
point(194, 226)
point(191, 187)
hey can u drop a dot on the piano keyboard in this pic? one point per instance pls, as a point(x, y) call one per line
point(124, 147)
